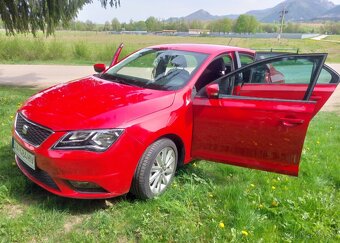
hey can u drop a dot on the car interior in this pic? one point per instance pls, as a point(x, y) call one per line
point(215, 70)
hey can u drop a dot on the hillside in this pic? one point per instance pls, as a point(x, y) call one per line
point(333, 14)
point(298, 10)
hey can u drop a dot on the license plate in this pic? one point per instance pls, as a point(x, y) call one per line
point(26, 157)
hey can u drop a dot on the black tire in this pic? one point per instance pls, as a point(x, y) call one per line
point(141, 185)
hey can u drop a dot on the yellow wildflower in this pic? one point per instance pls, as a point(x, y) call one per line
point(252, 185)
point(11, 117)
point(261, 205)
point(221, 225)
point(210, 195)
point(273, 187)
point(244, 233)
point(275, 203)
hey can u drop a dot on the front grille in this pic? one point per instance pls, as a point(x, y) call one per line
point(31, 132)
point(39, 175)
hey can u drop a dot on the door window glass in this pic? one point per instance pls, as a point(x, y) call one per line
point(245, 59)
point(325, 77)
point(216, 69)
point(289, 71)
point(292, 70)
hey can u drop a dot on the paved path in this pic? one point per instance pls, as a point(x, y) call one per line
point(42, 76)
point(320, 37)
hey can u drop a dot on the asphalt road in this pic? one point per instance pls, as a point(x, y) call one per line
point(42, 76)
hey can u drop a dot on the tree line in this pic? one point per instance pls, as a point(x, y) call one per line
point(243, 24)
point(22, 16)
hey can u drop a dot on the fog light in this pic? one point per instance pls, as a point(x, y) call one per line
point(85, 186)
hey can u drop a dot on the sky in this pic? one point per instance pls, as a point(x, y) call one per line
point(142, 9)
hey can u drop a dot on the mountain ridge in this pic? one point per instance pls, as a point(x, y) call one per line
point(298, 10)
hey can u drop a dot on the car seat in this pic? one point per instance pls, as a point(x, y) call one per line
point(215, 70)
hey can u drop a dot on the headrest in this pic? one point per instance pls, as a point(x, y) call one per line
point(179, 61)
point(219, 64)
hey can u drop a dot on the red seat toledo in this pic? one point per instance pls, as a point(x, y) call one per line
point(127, 128)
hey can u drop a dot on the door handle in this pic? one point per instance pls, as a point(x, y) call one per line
point(315, 98)
point(291, 122)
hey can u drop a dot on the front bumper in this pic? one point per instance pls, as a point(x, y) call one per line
point(111, 170)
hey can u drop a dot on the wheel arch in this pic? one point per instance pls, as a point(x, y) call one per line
point(180, 147)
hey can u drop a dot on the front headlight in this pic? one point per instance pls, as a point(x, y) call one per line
point(95, 140)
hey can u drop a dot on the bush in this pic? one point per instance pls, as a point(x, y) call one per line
point(81, 50)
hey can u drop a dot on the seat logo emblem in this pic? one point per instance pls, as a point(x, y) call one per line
point(24, 129)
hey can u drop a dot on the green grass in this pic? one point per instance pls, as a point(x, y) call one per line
point(70, 47)
point(333, 37)
point(267, 207)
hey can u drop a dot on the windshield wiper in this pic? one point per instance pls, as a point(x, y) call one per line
point(110, 77)
point(114, 78)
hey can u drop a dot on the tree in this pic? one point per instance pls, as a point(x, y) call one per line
point(107, 26)
point(269, 28)
point(116, 26)
point(140, 26)
point(246, 24)
point(23, 16)
point(222, 25)
point(89, 25)
point(153, 24)
point(196, 24)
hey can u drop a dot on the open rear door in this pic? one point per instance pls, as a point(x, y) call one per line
point(255, 129)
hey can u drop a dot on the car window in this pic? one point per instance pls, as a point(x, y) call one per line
point(295, 71)
point(156, 69)
point(219, 67)
point(325, 77)
point(245, 59)
point(292, 70)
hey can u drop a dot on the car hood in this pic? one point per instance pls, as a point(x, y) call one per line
point(93, 103)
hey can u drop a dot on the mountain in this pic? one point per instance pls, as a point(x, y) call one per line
point(202, 15)
point(298, 10)
point(332, 14)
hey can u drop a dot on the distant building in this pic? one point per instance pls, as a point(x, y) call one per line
point(199, 32)
point(134, 32)
point(170, 32)
point(166, 32)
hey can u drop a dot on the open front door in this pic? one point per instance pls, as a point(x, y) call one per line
point(254, 131)
point(291, 87)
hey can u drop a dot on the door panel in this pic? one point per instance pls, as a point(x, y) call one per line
point(320, 94)
point(260, 134)
point(258, 123)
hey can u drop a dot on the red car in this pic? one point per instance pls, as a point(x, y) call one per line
point(127, 128)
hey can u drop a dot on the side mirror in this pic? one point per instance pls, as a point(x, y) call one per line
point(212, 91)
point(99, 67)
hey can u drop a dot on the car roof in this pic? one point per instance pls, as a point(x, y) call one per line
point(202, 48)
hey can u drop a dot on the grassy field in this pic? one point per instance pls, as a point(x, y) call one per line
point(207, 201)
point(91, 47)
point(333, 37)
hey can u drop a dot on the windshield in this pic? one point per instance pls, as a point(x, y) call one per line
point(156, 69)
